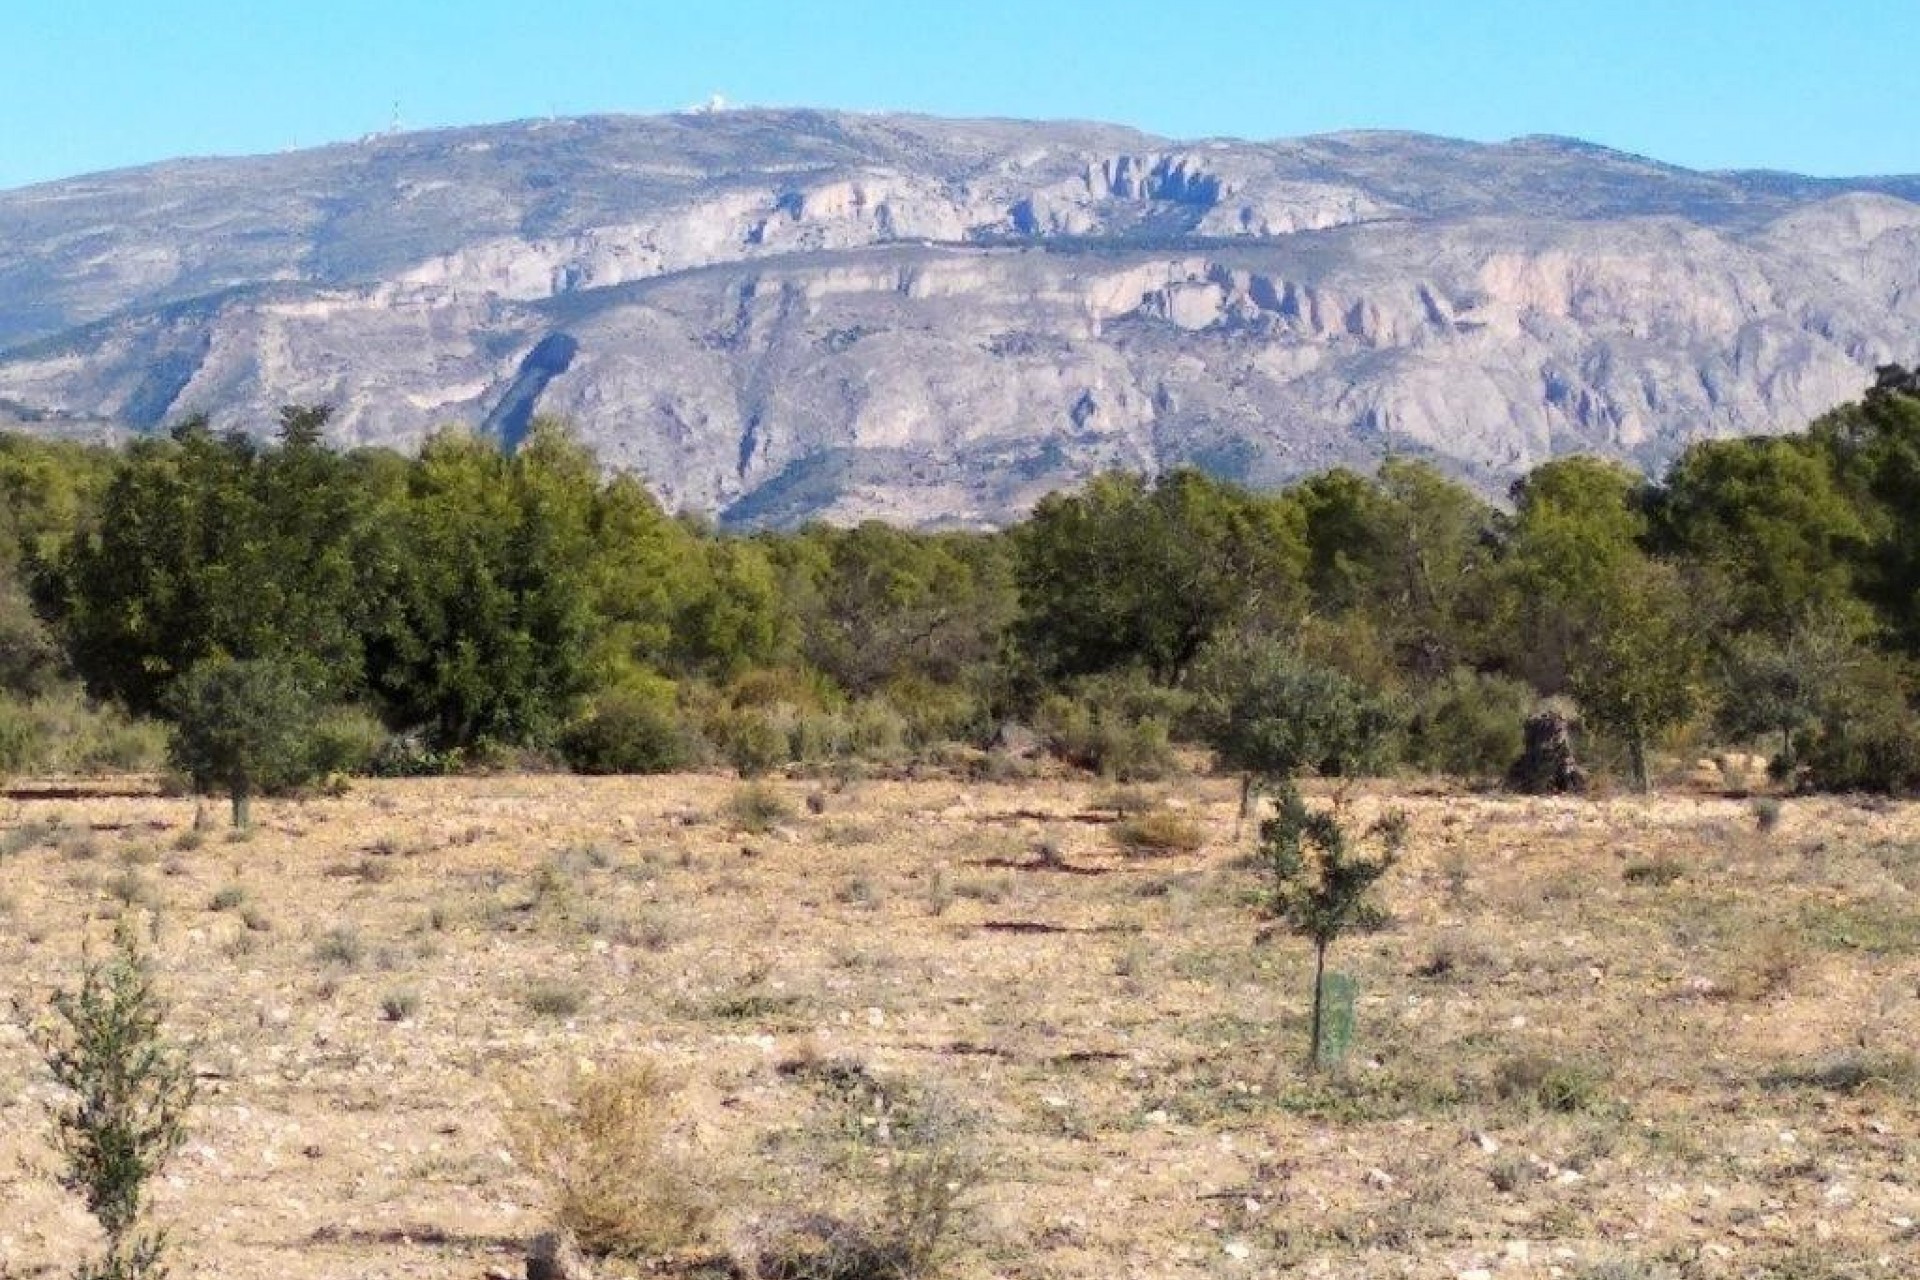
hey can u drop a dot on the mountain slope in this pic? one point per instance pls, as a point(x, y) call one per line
point(782, 315)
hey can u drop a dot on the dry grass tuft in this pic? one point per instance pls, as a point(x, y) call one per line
point(1158, 831)
point(757, 807)
point(605, 1155)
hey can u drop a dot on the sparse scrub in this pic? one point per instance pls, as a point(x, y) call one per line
point(1854, 1071)
point(553, 999)
point(896, 1175)
point(340, 945)
point(615, 1179)
point(1548, 1084)
point(400, 1005)
point(1657, 871)
point(131, 889)
point(757, 807)
point(989, 889)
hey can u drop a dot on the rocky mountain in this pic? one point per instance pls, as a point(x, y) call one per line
point(776, 316)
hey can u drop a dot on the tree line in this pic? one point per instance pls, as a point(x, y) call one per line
point(463, 606)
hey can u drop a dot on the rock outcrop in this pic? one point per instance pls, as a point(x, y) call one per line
point(777, 316)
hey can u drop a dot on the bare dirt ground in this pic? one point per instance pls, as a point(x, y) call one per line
point(1601, 1039)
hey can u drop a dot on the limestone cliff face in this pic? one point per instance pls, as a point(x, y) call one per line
point(783, 316)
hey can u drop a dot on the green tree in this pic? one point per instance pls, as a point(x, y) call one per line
point(242, 727)
point(126, 1094)
point(1126, 574)
point(207, 543)
point(488, 639)
point(1637, 661)
point(1769, 520)
point(1321, 881)
point(1588, 611)
point(1873, 448)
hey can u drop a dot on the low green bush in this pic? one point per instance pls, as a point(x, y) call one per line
point(627, 733)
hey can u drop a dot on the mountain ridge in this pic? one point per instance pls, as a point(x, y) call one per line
point(935, 321)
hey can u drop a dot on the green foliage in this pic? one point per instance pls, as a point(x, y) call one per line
point(487, 604)
point(877, 605)
point(1469, 724)
point(62, 733)
point(489, 638)
point(344, 740)
point(1264, 711)
point(21, 744)
point(210, 544)
point(127, 1091)
point(242, 728)
point(1590, 613)
point(31, 662)
point(629, 730)
point(1769, 519)
point(1118, 725)
point(1865, 736)
point(1125, 574)
point(1320, 879)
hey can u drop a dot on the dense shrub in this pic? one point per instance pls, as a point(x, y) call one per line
point(753, 740)
point(627, 732)
point(1468, 725)
point(1879, 753)
point(409, 755)
point(1267, 711)
point(930, 713)
point(1117, 725)
point(21, 742)
point(243, 728)
point(63, 733)
point(345, 740)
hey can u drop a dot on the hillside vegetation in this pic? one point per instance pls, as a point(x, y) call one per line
point(464, 607)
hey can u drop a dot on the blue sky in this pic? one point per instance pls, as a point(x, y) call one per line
point(96, 84)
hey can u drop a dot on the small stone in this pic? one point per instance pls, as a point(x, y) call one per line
point(1379, 1178)
point(1237, 1250)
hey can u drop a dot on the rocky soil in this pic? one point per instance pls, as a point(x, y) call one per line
point(1598, 1038)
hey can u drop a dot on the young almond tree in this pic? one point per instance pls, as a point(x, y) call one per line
point(1321, 882)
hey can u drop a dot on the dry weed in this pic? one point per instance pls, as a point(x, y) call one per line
point(605, 1155)
point(1158, 831)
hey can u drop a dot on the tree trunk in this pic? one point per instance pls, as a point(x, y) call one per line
point(1637, 753)
point(242, 809)
point(1319, 980)
point(1246, 794)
